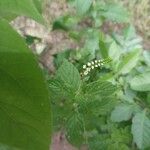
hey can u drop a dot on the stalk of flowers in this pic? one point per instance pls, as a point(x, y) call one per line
point(94, 64)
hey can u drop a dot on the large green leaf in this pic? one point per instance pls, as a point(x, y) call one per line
point(24, 99)
point(69, 76)
point(141, 130)
point(6, 147)
point(92, 42)
point(60, 90)
point(75, 129)
point(128, 62)
point(115, 12)
point(103, 49)
point(114, 51)
point(82, 6)
point(99, 87)
point(99, 105)
point(11, 8)
point(129, 32)
point(38, 4)
point(141, 82)
point(122, 112)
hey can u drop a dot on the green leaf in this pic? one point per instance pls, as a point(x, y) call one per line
point(92, 42)
point(6, 147)
point(99, 87)
point(57, 88)
point(66, 23)
point(129, 32)
point(115, 12)
point(38, 4)
point(99, 142)
point(103, 49)
point(114, 51)
point(67, 82)
point(101, 105)
point(61, 23)
point(59, 58)
point(111, 139)
point(134, 43)
point(24, 99)
point(116, 146)
point(148, 98)
point(146, 55)
point(82, 6)
point(141, 82)
point(61, 110)
point(60, 90)
point(11, 8)
point(69, 75)
point(141, 130)
point(122, 112)
point(128, 62)
point(121, 139)
point(75, 129)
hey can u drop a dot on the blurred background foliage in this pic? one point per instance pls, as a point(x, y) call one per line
point(140, 12)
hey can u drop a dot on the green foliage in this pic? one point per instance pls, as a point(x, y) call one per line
point(104, 108)
point(24, 96)
point(122, 112)
point(67, 82)
point(102, 88)
point(128, 62)
point(146, 55)
point(10, 9)
point(114, 12)
point(22, 83)
point(140, 130)
point(84, 101)
point(70, 76)
point(112, 138)
point(38, 4)
point(82, 6)
point(141, 82)
point(75, 129)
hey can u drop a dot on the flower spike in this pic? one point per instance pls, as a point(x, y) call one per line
point(94, 64)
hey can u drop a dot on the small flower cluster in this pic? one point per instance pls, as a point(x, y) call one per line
point(93, 64)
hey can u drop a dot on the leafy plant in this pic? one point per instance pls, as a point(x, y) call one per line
point(87, 110)
point(24, 97)
point(82, 100)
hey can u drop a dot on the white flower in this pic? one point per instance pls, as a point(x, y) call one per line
point(99, 60)
point(95, 61)
point(92, 67)
point(88, 69)
point(89, 64)
point(102, 64)
point(85, 72)
point(96, 66)
point(84, 66)
point(99, 64)
point(92, 63)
